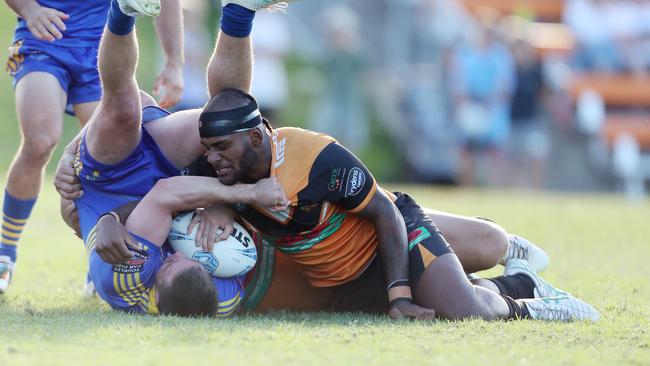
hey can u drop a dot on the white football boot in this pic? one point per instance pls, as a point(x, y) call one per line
point(140, 8)
point(520, 248)
point(6, 273)
point(255, 5)
point(560, 308)
point(542, 288)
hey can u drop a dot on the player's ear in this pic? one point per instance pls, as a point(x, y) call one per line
point(256, 137)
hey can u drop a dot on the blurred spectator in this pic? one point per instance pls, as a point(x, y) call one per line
point(271, 41)
point(482, 73)
point(427, 134)
point(595, 44)
point(529, 141)
point(341, 110)
point(621, 19)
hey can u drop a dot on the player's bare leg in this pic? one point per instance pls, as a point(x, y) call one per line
point(84, 111)
point(445, 288)
point(41, 131)
point(481, 244)
point(231, 65)
point(115, 128)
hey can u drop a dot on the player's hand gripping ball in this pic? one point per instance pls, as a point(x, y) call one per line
point(231, 257)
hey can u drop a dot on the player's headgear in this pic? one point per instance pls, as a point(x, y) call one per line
point(230, 111)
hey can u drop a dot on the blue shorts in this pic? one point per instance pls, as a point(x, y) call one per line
point(107, 187)
point(74, 67)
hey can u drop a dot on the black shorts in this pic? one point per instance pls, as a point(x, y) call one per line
point(367, 293)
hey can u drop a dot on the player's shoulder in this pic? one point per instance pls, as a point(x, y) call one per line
point(301, 134)
point(299, 144)
point(230, 292)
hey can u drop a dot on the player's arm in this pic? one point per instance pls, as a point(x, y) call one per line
point(169, 27)
point(349, 184)
point(45, 23)
point(66, 180)
point(393, 248)
point(68, 186)
point(152, 218)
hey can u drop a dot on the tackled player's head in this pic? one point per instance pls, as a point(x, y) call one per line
point(231, 129)
point(185, 288)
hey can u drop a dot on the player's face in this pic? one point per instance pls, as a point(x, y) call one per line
point(232, 156)
point(172, 266)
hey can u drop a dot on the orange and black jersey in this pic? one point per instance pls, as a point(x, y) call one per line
point(325, 184)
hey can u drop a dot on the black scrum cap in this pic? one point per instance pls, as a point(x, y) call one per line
point(228, 112)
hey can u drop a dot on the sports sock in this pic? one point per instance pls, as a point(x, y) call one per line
point(237, 21)
point(15, 213)
point(517, 286)
point(517, 310)
point(118, 22)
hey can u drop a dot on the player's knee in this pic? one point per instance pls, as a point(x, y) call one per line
point(37, 148)
point(122, 109)
point(494, 241)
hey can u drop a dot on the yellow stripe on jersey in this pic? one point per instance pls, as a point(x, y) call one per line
point(131, 289)
point(90, 241)
point(119, 284)
point(153, 305)
point(224, 311)
point(90, 246)
point(229, 302)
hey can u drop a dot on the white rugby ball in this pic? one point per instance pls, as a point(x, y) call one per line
point(231, 257)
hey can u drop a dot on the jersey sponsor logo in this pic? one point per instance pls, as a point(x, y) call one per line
point(356, 181)
point(135, 265)
point(335, 182)
point(279, 150)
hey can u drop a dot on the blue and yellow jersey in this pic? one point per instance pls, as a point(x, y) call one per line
point(84, 27)
point(127, 287)
point(230, 293)
point(131, 287)
point(107, 187)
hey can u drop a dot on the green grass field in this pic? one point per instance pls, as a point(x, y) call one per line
point(598, 247)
